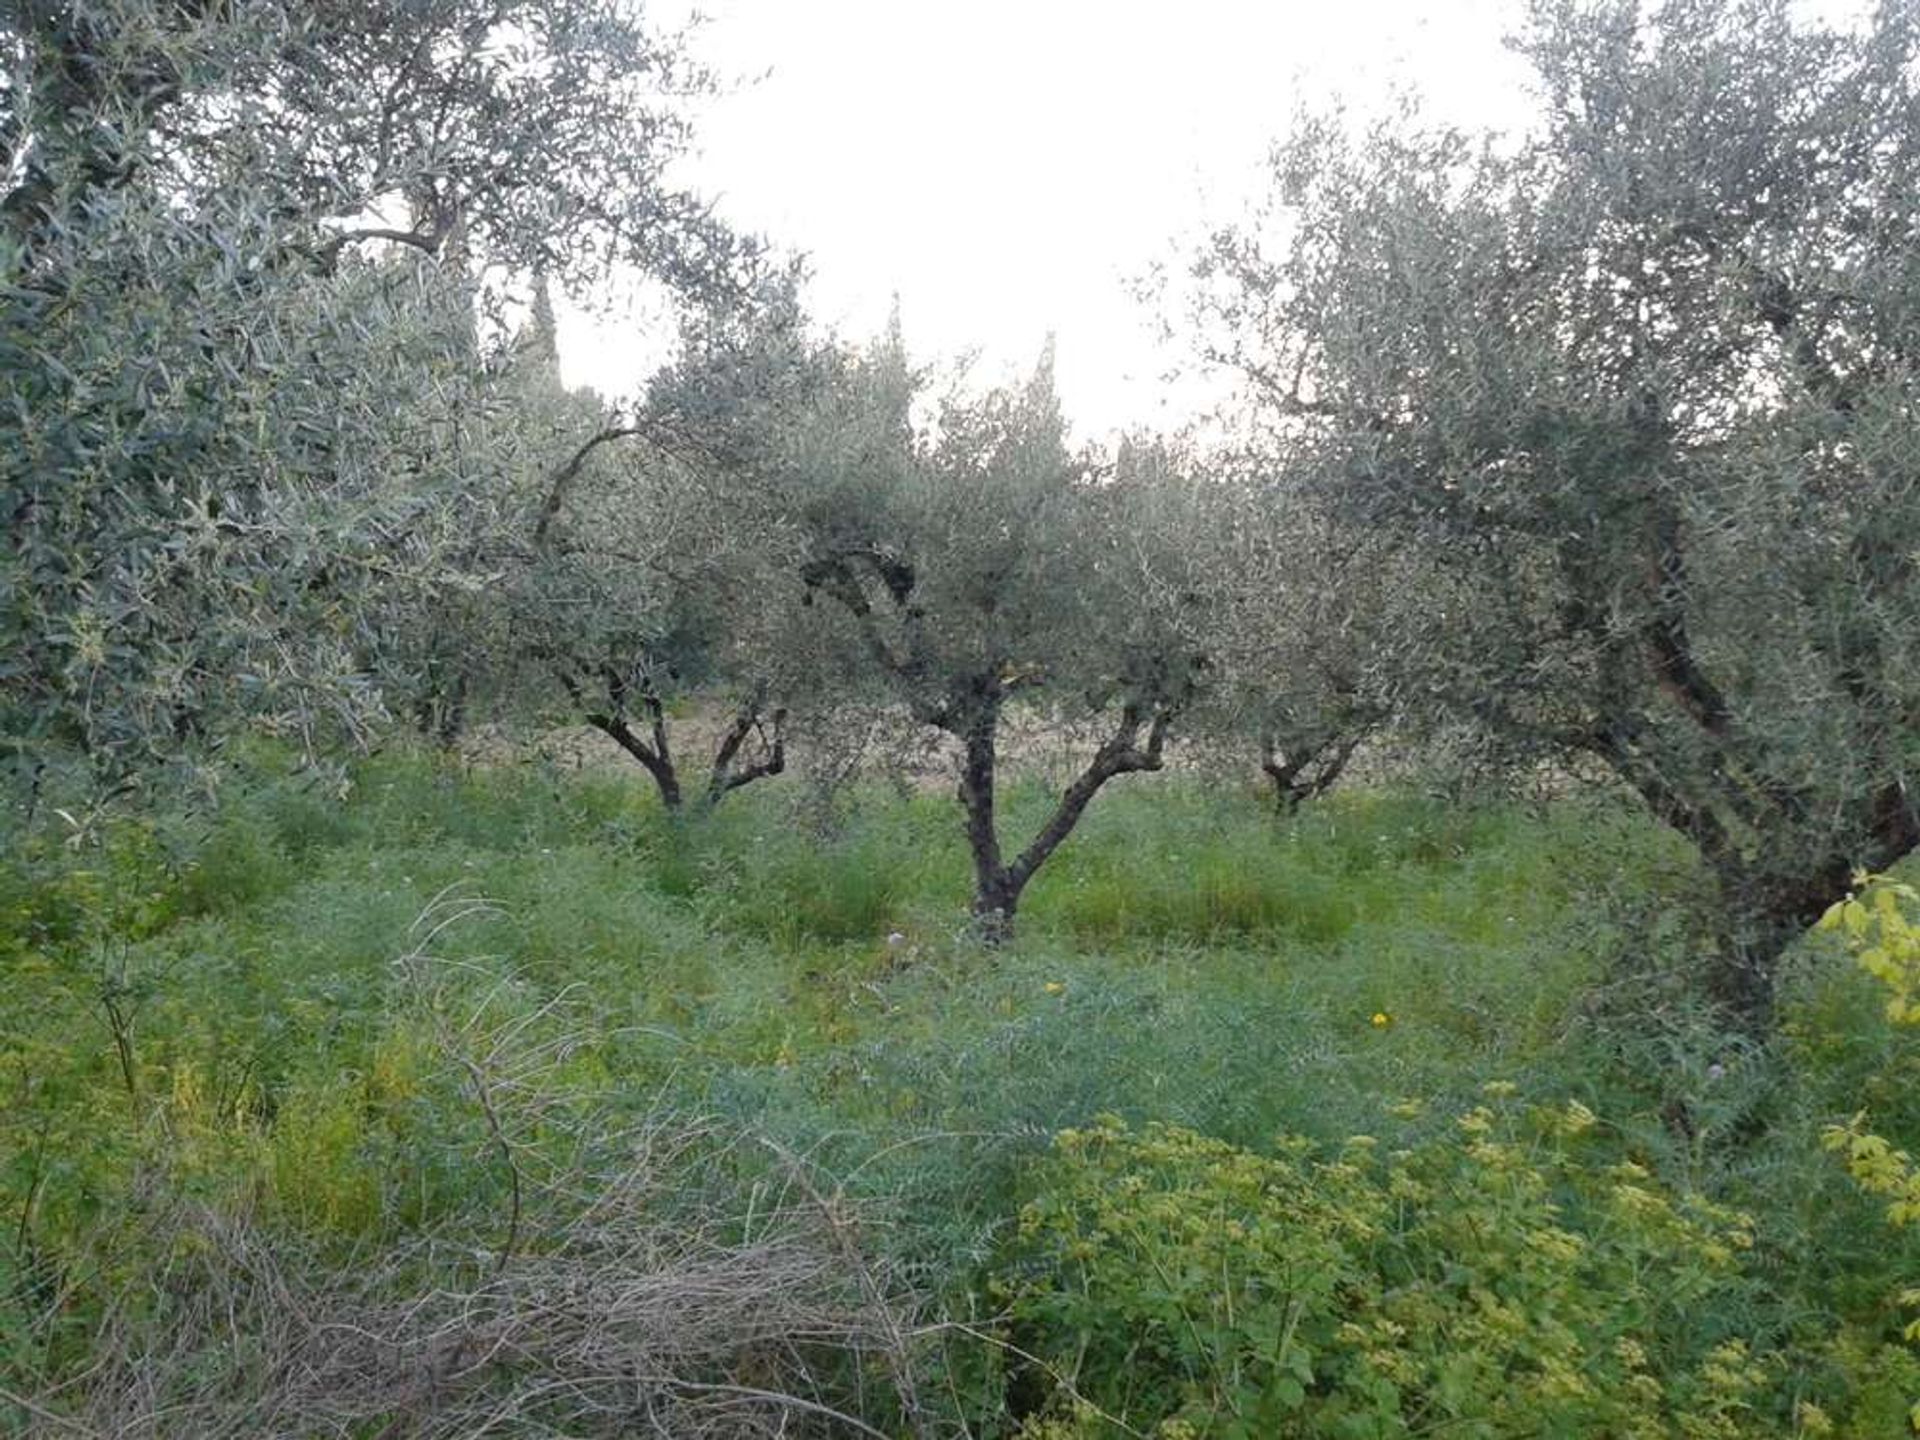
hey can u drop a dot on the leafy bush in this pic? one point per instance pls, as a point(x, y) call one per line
point(1875, 926)
point(1499, 1281)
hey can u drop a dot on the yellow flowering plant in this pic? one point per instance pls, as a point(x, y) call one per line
point(1875, 925)
point(1497, 1279)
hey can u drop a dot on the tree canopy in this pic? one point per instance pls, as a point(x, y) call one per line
point(1637, 387)
point(240, 254)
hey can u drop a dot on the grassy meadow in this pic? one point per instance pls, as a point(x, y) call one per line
point(330, 1044)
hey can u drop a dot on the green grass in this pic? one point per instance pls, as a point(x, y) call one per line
point(1187, 957)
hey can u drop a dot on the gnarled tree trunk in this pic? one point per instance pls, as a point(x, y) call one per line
point(655, 752)
point(997, 884)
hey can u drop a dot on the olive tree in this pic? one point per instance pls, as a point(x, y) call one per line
point(241, 326)
point(648, 574)
point(645, 598)
point(1298, 623)
point(1632, 395)
point(982, 566)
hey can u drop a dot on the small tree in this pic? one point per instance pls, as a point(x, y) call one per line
point(643, 599)
point(1298, 624)
point(648, 575)
point(1634, 397)
point(985, 568)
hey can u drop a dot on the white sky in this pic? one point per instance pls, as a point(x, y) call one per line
point(1008, 168)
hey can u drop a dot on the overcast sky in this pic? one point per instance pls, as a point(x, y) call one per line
point(1008, 167)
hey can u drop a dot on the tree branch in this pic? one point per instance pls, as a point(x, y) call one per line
point(425, 241)
point(836, 576)
point(1286, 767)
point(772, 761)
point(1121, 754)
point(1676, 670)
point(567, 473)
point(612, 723)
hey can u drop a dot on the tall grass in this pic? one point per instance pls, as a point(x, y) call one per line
point(1187, 957)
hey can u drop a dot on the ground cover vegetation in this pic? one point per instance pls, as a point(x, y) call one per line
point(1337, 1129)
point(1304, 927)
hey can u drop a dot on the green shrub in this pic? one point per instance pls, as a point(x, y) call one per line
point(1499, 1281)
point(1877, 927)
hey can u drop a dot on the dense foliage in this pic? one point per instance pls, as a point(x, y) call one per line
point(364, 1074)
point(250, 1075)
point(242, 332)
point(1494, 1279)
point(1633, 393)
